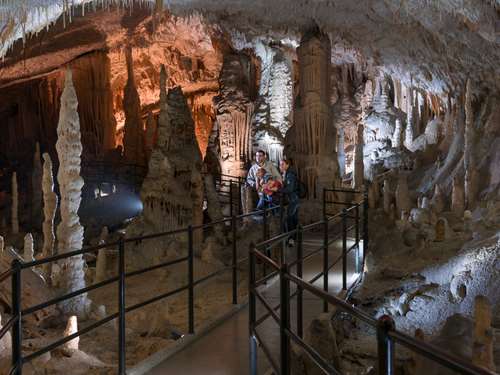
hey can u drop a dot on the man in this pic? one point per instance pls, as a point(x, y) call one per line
point(262, 162)
point(291, 191)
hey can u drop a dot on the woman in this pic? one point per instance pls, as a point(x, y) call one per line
point(290, 191)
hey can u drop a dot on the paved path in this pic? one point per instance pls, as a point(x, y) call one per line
point(224, 350)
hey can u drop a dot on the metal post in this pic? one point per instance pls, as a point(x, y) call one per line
point(325, 260)
point(121, 307)
point(230, 197)
point(234, 256)
point(299, 288)
point(252, 311)
point(284, 320)
point(16, 312)
point(344, 249)
point(190, 280)
point(240, 208)
point(385, 345)
point(264, 237)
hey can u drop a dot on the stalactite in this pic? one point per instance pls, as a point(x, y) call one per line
point(69, 231)
point(15, 205)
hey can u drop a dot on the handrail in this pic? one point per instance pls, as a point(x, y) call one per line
point(15, 274)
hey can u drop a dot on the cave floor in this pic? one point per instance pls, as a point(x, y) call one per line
point(225, 349)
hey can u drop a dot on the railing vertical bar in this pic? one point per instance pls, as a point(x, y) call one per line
point(344, 249)
point(325, 261)
point(240, 209)
point(121, 307)
point(17, 332)
point(284, 320)
point(264, 238)
point(190, 280)
point(252, 311)
point(357, 224)
point(234, 261)
point(365, 228)
point(231, 198)
point(300, 319)
point(385, 345)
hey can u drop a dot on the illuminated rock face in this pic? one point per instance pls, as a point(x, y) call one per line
point(310, 138)
point(234, 111)
point(69, 232)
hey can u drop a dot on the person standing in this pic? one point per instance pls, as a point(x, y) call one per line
point(291, 191)
point(261, 162)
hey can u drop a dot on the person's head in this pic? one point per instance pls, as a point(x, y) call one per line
point(260, 156)
point(261, 172)
point(285, 164)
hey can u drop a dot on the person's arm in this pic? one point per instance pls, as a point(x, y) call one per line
point(251, 177)
point(275, 172)
point(290, 183)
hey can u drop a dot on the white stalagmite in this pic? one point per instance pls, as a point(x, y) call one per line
point(36, 183)
point(358, 179)
point(28, 251)
point(71, 327)
point(469, 164)
point(396, 139)
point(15, 205)
point(69, 231)
point(49, 208)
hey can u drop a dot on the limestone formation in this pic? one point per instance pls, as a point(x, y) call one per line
point(482, 347)
point(150, 135)
point(49, 211)
point(71, 328)
point(133, 143)
point(309, 139)
point(101, 264)
point(437, 201)
point(403, 202)
point(213, 205)
point(234, 112)
point(358, 177)
point(69, 231)
point(398, 133)
point(36, 184)
point(458, 197)
point(2, 244)
point(471, 174)
point(15, 206)
point(5, 343)
point(387, 196)
point(341, 151)
point(163, 129)
point(28, 249)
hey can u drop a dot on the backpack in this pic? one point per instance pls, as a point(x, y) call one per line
point(301, 189)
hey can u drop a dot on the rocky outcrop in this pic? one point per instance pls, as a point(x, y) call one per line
point(71, 276)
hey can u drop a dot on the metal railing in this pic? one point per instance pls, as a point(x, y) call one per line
point(290, 272)
point(15, 323)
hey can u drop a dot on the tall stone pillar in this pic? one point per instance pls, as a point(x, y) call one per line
point(133, 143)
point(359, 170)
point(471, 179)
point(312, 138)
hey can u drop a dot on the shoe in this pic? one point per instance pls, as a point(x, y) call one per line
point(291, 242)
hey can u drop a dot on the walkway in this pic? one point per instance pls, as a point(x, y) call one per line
point(224, 350)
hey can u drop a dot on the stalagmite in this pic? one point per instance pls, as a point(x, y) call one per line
point(133, 139)
point(482, 349)
point(341, 151)
point(409, 133)
point(213, 204)
point(438, 200)
point(358, 178)
point(163, 126)
point(69, 231)
point(403, 202)
point(36, 183)
point(309, 139)
point(2, 245)
point(471, 174)
point(101, 264)
point(28, 250)
point(387, 196)
point(5, 342)
point(71, 328)
point(396, 139)
point(49, 210)
point(15, 205)
point(150, 134)
point(458, 197)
